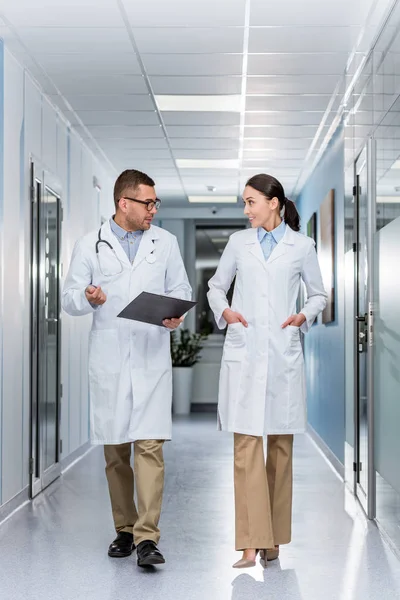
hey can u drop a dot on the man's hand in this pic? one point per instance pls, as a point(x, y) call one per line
point(231, 316)
point(95, 295)
point(295, 321)
point(172, 323)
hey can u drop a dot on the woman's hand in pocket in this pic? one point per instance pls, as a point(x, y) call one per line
point(294, 321)
point(231, 317)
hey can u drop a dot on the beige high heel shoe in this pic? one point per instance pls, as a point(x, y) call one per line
point(245, 563)
point(269, 554)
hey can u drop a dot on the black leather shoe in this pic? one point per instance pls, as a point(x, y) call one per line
point(122, 545)
point(148, 554)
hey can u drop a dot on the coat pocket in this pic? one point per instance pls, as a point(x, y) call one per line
point(294, 342)
point(235, 342)
point(104, 352)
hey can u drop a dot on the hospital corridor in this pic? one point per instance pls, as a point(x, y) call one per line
point(199, 284)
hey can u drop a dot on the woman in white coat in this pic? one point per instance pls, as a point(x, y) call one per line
point(262, 386)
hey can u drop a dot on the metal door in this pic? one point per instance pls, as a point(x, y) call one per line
point(364, 219)
point(45, 329)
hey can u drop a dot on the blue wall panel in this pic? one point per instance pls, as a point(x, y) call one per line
point(1, 249)
point(324, 344)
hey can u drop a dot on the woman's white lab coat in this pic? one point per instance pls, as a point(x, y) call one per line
point(262, 385)
point(130, 371)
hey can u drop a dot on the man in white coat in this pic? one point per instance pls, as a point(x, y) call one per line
point(130, 370)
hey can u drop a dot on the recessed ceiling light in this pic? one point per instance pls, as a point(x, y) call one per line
point(230, 103)
point(189, 163)
point(256, 159)
point(260, 149)
point(213, 199)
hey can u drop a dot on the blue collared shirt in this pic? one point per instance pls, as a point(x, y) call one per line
point(270, 239)
point(129, 240)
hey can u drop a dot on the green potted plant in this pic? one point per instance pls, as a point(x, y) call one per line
point(185, 352)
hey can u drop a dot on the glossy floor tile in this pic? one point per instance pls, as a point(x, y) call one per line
point(56, 547)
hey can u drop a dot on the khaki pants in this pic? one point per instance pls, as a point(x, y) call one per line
point(263, 492)
point(149, 475)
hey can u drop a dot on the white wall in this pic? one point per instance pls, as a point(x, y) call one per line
point(34, 128)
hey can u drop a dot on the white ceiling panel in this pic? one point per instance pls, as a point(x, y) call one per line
point(194, 131)
point(71, 13)
point(205, 174)
point(302, 39)
point(188, 41)
point(121, 117)
point(292, 84)
point(273, 163)
point(95, 63)
point(278, 142)
point(186, 13)
point(99, 84)
point(128, 131)
point(207, 154)
point(309, 12)
point(201, 118)
point(111, 101)
point(207, 143)
point(168, 182)
point(164, 166)
point(126, 144)
point(56, 40)
point(293, 117)
point(274, 154)
point(193, 64)
point(289, 102)
point(153, 171)
point(196, 85)
point(297, 64)
point(140, 154)
point(283, 131)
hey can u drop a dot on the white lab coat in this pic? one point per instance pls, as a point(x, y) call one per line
point(262, 384)
point(130, 371)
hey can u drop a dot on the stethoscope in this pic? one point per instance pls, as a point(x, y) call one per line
point(150, 258)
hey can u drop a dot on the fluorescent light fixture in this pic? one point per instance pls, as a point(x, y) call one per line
point(396, 165)
point(230, 103)
point(259, 149)
point(188, 163)
point(219, 240)
point(257, 159)
point(214, 199)
point(388, 199)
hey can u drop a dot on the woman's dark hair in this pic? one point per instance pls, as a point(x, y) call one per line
point(272, 188)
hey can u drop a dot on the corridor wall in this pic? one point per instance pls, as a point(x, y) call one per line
point(31, 127)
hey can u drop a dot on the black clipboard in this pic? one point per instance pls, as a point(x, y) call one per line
point(154, 308)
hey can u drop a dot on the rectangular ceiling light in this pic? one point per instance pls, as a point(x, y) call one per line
point(214, 199)
point(188, 163)
point(396, 165)
point(229, 103)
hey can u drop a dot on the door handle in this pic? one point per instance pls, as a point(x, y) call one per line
point(362, 333)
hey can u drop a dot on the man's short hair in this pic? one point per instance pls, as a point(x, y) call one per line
point(129, 181)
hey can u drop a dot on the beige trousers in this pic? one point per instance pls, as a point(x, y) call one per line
point(149, 475)
point(263, 492)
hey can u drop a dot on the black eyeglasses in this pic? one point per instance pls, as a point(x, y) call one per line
point(150, 204)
